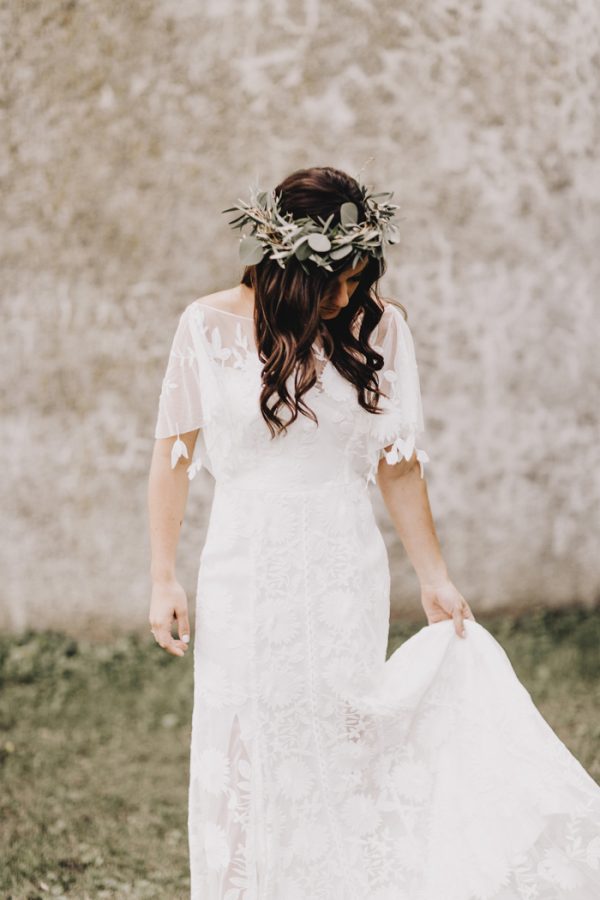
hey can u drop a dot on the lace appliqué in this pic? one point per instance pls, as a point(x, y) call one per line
point(237, 356)
point(393, 425)
point(216, 358)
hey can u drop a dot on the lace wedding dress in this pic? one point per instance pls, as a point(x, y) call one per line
point(319, 770)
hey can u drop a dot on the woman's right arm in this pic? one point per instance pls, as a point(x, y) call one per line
point(167, 499)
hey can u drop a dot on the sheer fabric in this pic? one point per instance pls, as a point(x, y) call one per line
point(319, 770)
point(197, 392)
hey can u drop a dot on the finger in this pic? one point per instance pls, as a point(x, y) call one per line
point(183, 625)
point(467, 612)
point(459, 626)
point(165, 639)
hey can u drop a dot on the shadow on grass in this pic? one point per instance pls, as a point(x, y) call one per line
point(94, 747)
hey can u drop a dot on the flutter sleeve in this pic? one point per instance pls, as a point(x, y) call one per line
point(180, 406)
point(401, 426)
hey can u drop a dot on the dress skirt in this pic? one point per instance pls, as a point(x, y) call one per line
point(321, 771)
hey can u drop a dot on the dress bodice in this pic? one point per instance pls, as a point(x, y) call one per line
point(213, 382)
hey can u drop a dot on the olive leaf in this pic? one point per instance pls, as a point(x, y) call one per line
point(283, 235)
point(326, 223)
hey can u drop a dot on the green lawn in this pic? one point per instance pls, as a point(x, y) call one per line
point(94, 743)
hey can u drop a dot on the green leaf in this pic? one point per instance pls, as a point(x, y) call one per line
point(326, 223)
point(349, 213)
point(251, 251)
point(341, 252)
point(342, 239)
point(322, 263)
point(302, 251)
point(298, 241)
point(319, 242)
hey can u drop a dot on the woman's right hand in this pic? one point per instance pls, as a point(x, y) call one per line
point(169, 602)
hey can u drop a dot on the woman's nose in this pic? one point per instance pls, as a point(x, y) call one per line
point(342, 297)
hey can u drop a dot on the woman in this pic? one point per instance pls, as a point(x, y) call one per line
point(319, 770)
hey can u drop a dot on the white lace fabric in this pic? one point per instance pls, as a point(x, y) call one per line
point(319, 770)
point(212, 382)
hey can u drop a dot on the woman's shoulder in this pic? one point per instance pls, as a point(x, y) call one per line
point(229, 300)
point(393, 308)
point(393, 328)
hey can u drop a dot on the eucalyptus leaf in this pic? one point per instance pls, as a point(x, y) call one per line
point(300, 240)
point(341, 252)
point(251, 251)
point(283, 235)
point(302, 251)
point(348, 213)
point(319, 242)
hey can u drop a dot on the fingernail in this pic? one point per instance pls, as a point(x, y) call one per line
point(186, 638)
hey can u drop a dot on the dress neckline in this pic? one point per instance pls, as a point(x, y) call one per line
point(224, 311)
point(319, 352)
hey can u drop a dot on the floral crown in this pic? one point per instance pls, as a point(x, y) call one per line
point(307, 239)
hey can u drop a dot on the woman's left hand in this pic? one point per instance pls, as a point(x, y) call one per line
point(444, 601)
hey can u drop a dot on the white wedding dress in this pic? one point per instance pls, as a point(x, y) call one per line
point(319, 770)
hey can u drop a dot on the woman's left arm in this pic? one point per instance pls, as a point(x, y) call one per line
point(405, 495)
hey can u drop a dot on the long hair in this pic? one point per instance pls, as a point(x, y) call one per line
point(287, 321)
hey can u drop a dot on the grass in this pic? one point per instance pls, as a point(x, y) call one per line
point(94, 744)
point(94, 753)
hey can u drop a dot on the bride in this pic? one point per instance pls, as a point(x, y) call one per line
point(319, 770)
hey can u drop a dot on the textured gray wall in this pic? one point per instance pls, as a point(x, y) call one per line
point(131, 125)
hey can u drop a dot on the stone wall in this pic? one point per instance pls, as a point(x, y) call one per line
point(131, 125)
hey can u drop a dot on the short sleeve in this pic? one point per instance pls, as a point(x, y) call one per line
point(180, 401)
point(402, 424)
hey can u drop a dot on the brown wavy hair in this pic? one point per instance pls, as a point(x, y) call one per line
point(287, 320)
